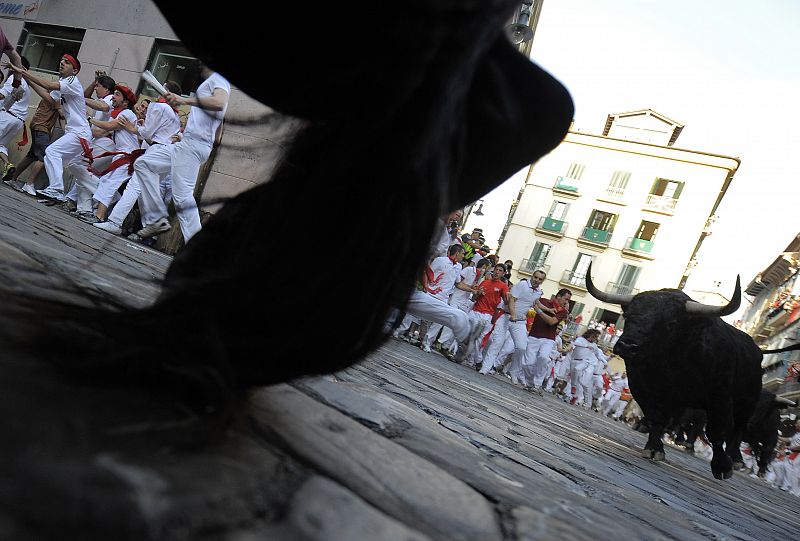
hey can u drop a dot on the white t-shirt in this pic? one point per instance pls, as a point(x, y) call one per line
point(73, 105)
point(124, 140)
point(160, 123)
point(202, 124)
point(18, 108)
point(445, 274)
point(524, 297)
point(105, 116)
point(468, 275)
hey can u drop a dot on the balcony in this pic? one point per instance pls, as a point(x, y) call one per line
point(573, 279)
point(660, 204)
point(530, 266)
point(638, 248)
point(613, 194)
point(595, 238)
point(567, 186)
point(550, 227)
point(616, 288)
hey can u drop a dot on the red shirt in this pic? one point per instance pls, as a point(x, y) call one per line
point(493, 293)
point(542, 329)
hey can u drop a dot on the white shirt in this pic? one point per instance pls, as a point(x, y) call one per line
point(524, 298)
point(17, 108)
point(445, 274)
point(618, 384)
point(585, 350)
point(202, 124)
point(105, 116)
point(73, 105)
point(124, 140)
point(468, 275)
point(160, 123)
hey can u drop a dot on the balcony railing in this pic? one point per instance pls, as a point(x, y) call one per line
point(621, 289)
point(660, 203)
point(567, 184)
point(530, 266)
point(551, 224)
point(615, 192)
point(639, 245)
point(599, 236)
point(573, 278)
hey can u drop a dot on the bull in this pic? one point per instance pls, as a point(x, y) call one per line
point(679, 354)
point(762, 429)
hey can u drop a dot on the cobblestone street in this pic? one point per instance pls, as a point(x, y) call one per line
point(404, 445)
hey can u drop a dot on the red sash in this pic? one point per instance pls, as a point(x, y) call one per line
point(126, 159)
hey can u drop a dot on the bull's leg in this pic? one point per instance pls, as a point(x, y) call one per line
point(762, 454)
point(654, 448)
point(720, 424)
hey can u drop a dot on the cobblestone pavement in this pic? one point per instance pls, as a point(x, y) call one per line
point(404, 445)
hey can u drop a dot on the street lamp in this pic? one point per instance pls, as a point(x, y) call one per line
point(520, 31)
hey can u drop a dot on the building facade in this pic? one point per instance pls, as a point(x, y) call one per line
point(627, 201)
point(125, 38)
point(773, 319)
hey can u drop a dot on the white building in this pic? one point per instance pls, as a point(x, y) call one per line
point(627, 200)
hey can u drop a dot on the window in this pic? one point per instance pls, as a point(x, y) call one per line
point(44, 45)
point(626, 280)
point(647, 230)
point(602, 221)
point(539, 255)
point(558, 210)
point(171, 61)
point(667, 188)
point(619, 180)
point(575, 171)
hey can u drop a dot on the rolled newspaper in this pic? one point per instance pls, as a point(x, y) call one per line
point(152, 81)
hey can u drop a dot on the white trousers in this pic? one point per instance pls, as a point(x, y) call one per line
point(497, 343)
point(432, 309)
point(582, 373)
point(465, 305)
point(9, 127)
point(61, 152)
point(183, 160)
point(539, 350)
point(476, 356)
point(610, 400)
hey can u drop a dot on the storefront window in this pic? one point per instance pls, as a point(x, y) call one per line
point(44, 45)
point(171, 61)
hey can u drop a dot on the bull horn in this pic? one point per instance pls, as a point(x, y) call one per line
point(784, 401)
point(610, 298)
point(700, 309)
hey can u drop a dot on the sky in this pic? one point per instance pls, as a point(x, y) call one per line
point(728, 70)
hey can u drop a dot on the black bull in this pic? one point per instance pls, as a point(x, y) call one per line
point(679, 354)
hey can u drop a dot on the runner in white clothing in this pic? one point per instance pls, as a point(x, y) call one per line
point(12, 117)
point(526, 295)
point(69, 91)
point(183, 159)
point(160, 124)
point(101, 183)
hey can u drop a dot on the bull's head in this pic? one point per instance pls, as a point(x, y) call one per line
point(651, 316)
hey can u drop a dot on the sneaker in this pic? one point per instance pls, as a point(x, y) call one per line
point(9, 172)
point(28, 189)
point(426, 348)
point(109, 227)
point(153, 229)
point(16, 185)
point(70, 206)
point(51, 193)
point(88, 216)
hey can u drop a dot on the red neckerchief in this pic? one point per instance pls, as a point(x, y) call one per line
point(162, 100)
point(116, 111)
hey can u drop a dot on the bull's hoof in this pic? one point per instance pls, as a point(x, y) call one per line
point(659, 455)
point(690, 449)
point(727, 475)
point(761, 473)
point(648, 453)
